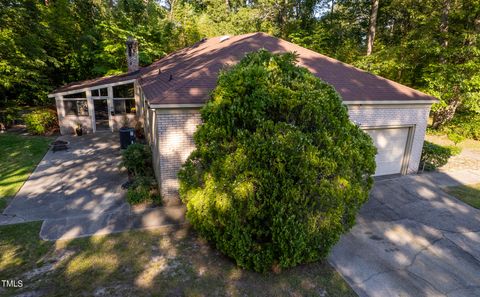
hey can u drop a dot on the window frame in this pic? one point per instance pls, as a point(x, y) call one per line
point(100, 96)
point(116, 100)
point(124, 112)
point(76, 112)
point(120, 85)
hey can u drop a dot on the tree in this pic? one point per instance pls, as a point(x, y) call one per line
point(279, 171)
point(430, 49)
point(372, 27)
point(430, 45)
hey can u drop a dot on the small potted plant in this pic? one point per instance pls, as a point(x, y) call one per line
point(79, 129)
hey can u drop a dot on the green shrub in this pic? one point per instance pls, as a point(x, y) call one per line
point(455, 137)
point(467, 125)
point(143, 189)
point(11, 114)
point(279, 171)
point(454, 150)
point(41, 121)
point(435, 156)
point(137, 159)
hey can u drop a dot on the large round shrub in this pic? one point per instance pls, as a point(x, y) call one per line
point(279, 171)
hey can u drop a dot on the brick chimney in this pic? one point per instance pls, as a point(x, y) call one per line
point(132, 54)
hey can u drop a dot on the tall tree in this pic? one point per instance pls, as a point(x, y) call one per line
point(372, 27)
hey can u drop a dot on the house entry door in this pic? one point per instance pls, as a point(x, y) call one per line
point(101, 114)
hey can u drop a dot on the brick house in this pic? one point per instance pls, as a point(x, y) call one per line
point(168, 94)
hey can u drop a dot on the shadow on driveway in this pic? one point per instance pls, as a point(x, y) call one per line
point(78, 193)
point(413, 239)
point(86, 179)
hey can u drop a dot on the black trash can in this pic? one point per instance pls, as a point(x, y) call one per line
point(127, 137)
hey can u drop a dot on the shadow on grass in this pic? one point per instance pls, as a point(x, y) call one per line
point(469, 194)
point(147, 263)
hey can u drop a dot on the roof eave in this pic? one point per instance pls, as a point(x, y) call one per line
point(390, 102)
point(121, 82)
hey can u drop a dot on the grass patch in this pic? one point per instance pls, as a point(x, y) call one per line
point(469, 144)
point(146, 263)
point(20, 248)
point(19, 155)
point(470, 194)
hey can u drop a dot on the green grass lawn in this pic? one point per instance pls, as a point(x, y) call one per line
point(146, 263)
point(469, 194)
point(469, 144)
point(19, 155)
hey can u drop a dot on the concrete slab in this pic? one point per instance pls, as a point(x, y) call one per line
point(412, 239)
point(114, 222)
point(78, 193)
point(85, 179)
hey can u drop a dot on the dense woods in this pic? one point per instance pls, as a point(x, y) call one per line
point(430, 45)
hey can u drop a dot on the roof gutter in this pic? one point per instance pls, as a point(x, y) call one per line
point(389, 102)
point(173, 106)
point(356, 102)
point(83, 89)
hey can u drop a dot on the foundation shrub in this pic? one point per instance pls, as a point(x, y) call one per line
point(137, 159)
point(142, 187)
point(144, 190)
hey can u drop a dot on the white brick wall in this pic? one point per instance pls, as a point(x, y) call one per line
point(175, 138)
point(175, 130)
point(416, 115)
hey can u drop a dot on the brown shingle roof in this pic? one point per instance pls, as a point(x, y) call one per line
point(187, 76)
point(97, 82)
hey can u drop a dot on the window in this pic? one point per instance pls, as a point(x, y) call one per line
point(103, 92)
point(76, 107)
point(123, 106)
point(76, 95)
point(123, 91)
point(123, 101)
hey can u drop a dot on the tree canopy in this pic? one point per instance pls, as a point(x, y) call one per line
point(431, 45)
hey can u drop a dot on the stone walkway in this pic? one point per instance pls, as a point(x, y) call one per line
point(78, 193)
point(412, 239)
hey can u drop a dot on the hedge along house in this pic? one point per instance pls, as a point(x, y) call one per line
point(169, 93)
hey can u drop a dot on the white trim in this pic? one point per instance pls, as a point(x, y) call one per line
point(389, 102)
point(167, 106)
point(124, 82)
point(91, 110)
point(389, 106)
point(358, 102)
point(74, 99)
point(110, 107)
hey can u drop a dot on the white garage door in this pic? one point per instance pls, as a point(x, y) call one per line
point(391, 145)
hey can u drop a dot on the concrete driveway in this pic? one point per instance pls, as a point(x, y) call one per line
point(412, 239)
point(78, 193)
point(84, 180)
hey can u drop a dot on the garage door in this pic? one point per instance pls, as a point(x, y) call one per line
point(391, 145)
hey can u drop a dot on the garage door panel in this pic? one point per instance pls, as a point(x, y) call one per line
point(391, 147)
